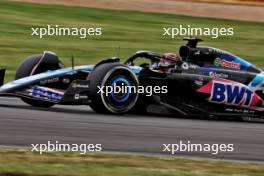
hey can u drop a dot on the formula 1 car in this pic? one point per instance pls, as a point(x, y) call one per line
point(202, 81)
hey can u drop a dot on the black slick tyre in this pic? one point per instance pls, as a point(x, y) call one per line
point(113, 75)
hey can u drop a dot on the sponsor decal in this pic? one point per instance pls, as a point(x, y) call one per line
point(185, 66)
point(192, 66)
point(79, 97)
point(227, 64)
point(213, 74)
point(46, 93)
point(217, 62)
point(199, 82)
point(230, 93)
point(243, 111)
point(75, 85)
point(66, 80)
point(48, 81)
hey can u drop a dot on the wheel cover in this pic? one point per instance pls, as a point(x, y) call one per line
point(120, 102)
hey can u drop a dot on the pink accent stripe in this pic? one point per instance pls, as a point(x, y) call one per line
point(36, 66)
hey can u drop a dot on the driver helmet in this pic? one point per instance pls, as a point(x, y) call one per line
point(166, 62)
point(173, 55)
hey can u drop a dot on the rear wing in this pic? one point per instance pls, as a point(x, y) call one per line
point(2, 76)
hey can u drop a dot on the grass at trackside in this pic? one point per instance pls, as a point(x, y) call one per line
point(131, 31)
point(25, 163)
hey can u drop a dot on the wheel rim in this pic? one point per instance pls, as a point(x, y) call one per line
point(120, 102)
point(124, 92)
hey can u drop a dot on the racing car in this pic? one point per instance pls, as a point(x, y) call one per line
point(201, 81)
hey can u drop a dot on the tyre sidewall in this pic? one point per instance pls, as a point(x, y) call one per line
point(102, 76)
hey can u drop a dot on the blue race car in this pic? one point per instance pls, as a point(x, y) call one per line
point(202, 81)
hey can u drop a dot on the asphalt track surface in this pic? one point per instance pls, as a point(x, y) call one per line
point(22, 125)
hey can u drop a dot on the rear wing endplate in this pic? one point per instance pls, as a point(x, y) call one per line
point(2, 76)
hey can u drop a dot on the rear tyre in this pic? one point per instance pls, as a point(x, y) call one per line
point(107, 77)
point(36, 64)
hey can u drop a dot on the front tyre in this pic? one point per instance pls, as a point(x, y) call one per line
point(113, 89)
point(36, 64)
